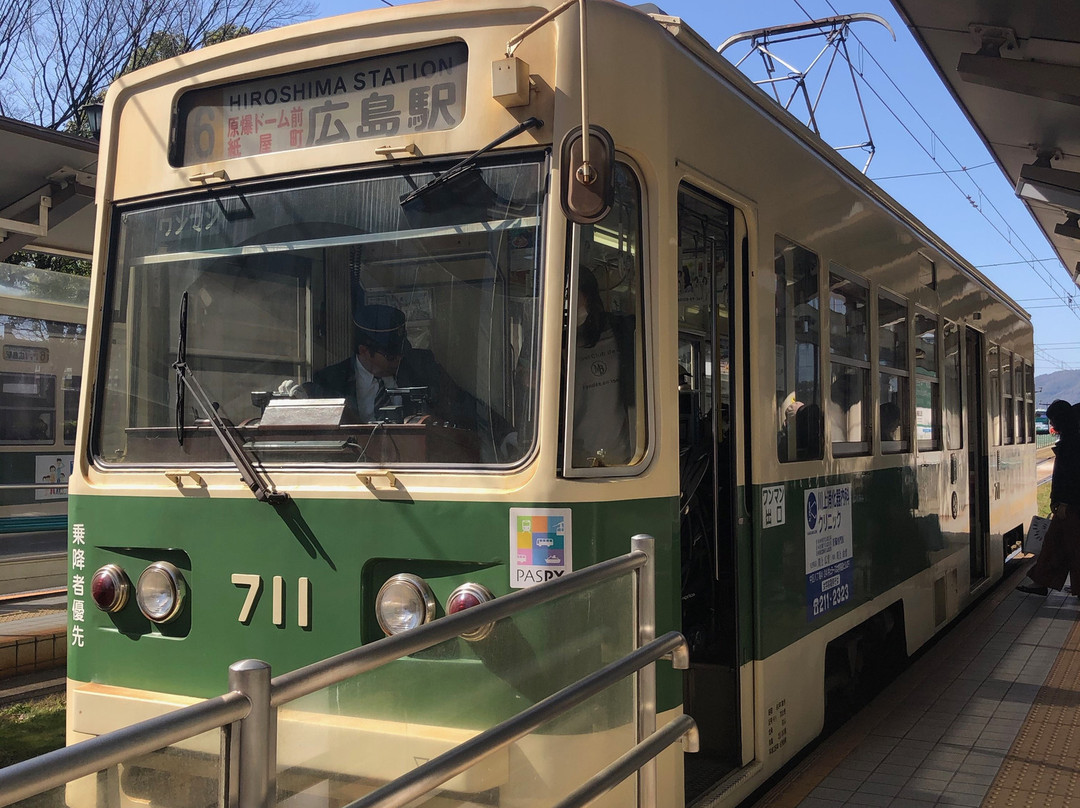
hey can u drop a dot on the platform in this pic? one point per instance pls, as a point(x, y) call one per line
point(988, 716)
point(33, 634)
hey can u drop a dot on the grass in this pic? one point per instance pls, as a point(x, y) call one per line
point(1042, 494)
point(31, 728)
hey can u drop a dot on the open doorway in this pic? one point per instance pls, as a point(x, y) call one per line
point(709, 595)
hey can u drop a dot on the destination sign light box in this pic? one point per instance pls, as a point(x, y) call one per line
point(379, 97)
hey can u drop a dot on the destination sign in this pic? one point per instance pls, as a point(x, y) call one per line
point(380, 97)
point(24, 353)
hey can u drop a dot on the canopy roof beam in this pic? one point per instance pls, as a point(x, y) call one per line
point(1053, 82)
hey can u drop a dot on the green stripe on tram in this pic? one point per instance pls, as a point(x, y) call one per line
point(346, 548)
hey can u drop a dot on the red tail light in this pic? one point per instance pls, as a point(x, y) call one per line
point(110, 588)
point(465, 597)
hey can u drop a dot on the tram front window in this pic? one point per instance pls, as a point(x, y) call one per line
point(329, 323)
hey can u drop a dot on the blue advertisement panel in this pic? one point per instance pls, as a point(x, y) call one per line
point(830, 570)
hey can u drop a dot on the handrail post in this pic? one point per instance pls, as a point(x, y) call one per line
point(646, 677)
point(257, 751)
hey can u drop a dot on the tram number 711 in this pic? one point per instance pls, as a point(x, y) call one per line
point(254, 584)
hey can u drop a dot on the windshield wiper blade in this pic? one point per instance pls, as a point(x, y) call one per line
point(260, 487)
point(181, 357)
point(460, 168)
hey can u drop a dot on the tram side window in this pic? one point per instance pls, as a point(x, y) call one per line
point(27, 408)
point(1029, 395)
point(927, 388)
point(1008, 423)
point(72, 385)
point(894, 417)
point(798, 353)
point(954, 438)
point(608, 399)
point(36, 352)
point(993, 386)
point(1018, 399)
point(849, 352)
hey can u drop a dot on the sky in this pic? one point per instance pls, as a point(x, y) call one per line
point(927, 156)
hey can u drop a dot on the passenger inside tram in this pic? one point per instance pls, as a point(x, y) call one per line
point(604, 378)
point(889, 419)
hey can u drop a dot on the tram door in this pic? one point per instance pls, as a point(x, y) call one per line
point(706, 477)
point(978, 454)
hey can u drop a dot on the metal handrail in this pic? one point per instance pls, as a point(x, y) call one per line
point(312, 678)
point(37, 775)
point(31, 486)
point(438, 770)
point(605, 780)
point(254, 698)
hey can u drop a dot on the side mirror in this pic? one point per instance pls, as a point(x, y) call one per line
point(587, 195)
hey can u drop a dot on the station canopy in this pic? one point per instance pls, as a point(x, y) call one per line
point(1014, 68)
point(46, 191)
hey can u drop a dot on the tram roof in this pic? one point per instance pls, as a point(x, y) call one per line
point(1014, 69)
point(42, 162)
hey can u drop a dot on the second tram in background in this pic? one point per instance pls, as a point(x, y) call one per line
point(42, 331)
point(730, 340)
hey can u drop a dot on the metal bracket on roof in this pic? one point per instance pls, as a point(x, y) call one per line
point(67, 174)
point(994, 40)
point(26, 228)
point(835, 31)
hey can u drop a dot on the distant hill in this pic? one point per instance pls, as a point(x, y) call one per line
point(1060, 384)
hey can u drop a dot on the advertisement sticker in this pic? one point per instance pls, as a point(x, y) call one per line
point(830, 571)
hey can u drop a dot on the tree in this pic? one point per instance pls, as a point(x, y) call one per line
point(55, 55)
point(14, 22)
point(56, 263)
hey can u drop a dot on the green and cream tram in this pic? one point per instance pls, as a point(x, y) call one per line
point(698, 323)
point(42, 330)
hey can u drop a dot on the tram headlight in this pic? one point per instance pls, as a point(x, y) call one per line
point(110, 588)
point(405, 601)
point(161, 592)
point(465, 597)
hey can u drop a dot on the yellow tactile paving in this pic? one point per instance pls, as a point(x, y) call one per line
point(1042, 769)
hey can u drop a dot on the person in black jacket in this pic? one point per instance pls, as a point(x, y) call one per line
point(385, 360)
point(604, 374)
point(1060, 555)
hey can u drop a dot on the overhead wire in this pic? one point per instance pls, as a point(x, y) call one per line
point(1054, 260)
point(935, 173)
point(1065, 297)
point(1060, 364)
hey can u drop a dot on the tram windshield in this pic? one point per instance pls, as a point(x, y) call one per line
point(328, 323)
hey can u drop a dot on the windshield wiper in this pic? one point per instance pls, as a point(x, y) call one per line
point(261, 488)
point(460, 168)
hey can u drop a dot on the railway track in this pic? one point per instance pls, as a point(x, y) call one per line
point(27, 575)
point(30, 686)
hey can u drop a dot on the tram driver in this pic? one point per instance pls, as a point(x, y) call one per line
point(383, 361)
